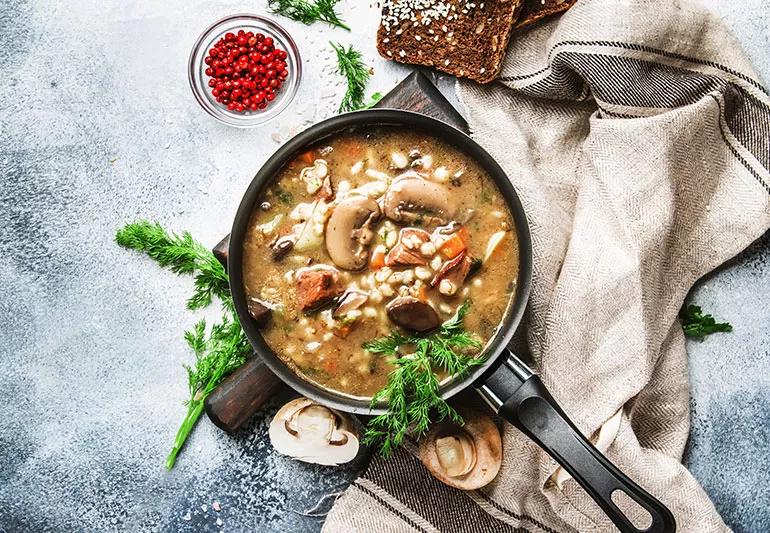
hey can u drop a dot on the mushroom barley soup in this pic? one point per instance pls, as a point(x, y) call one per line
point(368, 232)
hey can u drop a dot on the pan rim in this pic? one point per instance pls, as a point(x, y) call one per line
point(373, 118)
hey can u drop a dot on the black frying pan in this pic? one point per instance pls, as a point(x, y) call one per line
point(504, 381)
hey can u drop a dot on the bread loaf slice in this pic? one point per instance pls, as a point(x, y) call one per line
point(463, 38)
point(535, 10)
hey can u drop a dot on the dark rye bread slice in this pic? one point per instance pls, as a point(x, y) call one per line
point(535, 10)
point(463, 38)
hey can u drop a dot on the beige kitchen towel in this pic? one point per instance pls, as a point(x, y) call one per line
point(638, 137)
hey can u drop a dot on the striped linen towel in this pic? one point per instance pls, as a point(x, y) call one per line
point(638, 137)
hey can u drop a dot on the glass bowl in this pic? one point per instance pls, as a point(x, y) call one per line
point(199, 79)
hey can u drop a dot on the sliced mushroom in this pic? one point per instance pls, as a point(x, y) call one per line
point(465, 457)
point(410, 198)
point(282, 246)
point(352, 299)
point(413, 314)
point(260, 311)
point(349, 231)
point(312, 433)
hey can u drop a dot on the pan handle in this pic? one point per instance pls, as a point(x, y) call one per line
point(519, 396)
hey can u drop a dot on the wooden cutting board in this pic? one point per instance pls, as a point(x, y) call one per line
point(247, 389)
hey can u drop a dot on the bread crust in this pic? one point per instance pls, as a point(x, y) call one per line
point(536, 10)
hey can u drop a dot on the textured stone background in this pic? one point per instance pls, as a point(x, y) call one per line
point(98, 127)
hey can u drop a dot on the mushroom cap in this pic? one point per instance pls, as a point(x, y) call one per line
point(350, 300)
point(410, 197)
point(349, 231)
point(313, 433)
point(413, 314)
point(465, 457)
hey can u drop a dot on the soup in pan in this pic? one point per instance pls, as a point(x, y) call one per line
point(368, 232)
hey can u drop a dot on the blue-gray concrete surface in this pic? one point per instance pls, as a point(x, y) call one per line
point(98, 127)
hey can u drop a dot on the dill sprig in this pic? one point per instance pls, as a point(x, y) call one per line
point(182, 255)
point(308, 12)
point(224, 347)
point(216, 355)
point(697, 325)
point(412, 392)
point(350, 64)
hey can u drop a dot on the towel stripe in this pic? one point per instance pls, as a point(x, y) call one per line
point(630, 86)
point(405, 478)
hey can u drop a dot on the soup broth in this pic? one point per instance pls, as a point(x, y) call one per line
point(371, 231)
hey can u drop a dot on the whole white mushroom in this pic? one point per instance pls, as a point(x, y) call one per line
point(310, 432)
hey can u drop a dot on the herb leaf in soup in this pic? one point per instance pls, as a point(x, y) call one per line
point(412, 392)
point(283, 195)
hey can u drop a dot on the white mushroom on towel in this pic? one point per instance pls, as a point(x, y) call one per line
point(465, 457)
point(312, 433)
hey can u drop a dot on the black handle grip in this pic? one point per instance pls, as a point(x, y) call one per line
point(521, 398)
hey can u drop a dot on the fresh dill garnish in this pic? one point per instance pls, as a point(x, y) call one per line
point(225, 347)
point(308, 11)
point(412, 392)
point(182, 255)
point(698, 325)
point(351, 65)
point(216, 355)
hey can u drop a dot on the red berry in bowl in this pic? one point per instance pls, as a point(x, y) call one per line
point(245, 70)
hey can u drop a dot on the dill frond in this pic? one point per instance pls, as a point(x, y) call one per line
point(412, 393)
point(308, 12)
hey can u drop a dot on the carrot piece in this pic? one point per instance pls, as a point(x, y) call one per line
point(352, 149)
point(378, 260)
point(330, 365)
point(456, 244)
point(307, 157)
point(342, 331)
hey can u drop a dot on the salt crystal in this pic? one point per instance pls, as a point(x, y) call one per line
point(187, 517)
